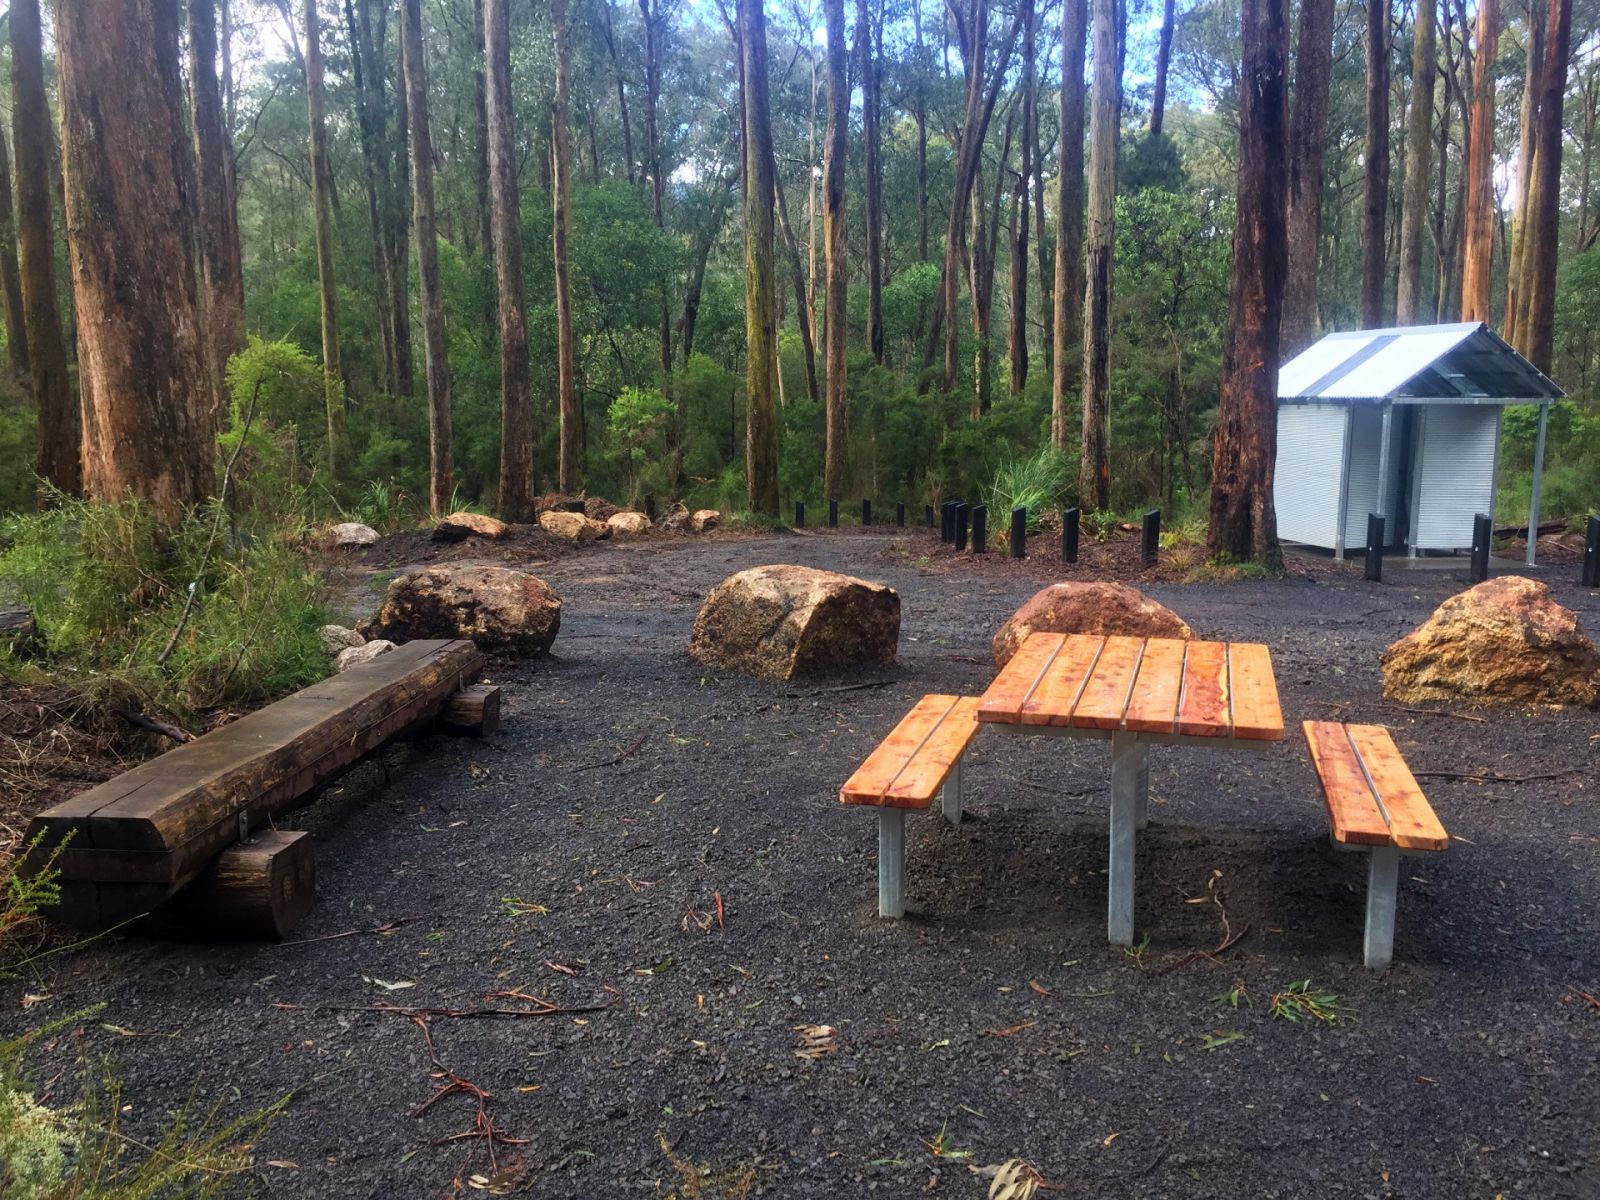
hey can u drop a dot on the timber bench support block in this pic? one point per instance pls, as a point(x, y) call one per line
point(1375, 805)
point(920, 759)
point(472, 712)
point(258, 889)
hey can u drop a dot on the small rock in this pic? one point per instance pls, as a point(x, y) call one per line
point(353, 533)
point(497, 607)
point(1505, 641)
point(705, 519)
point(355, 656)
point(629, 524)
point(337, 638)
point(781, 621)
point(572, 527)
point(459, 526)
point(1099, 608)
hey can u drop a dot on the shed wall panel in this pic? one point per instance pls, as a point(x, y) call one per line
point(1453, 473)
point(1306, 479)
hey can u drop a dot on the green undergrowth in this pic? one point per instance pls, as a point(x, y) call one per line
point(215, 614)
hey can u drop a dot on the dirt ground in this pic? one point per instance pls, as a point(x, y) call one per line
point(661, 852)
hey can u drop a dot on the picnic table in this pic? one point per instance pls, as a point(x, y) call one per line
point(1135, 692)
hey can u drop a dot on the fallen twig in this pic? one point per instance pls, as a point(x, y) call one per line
point(848, 687)
point(1194, 956)
point(1496, 777)
point(1439, 712)
point(545, 1008)
point(153, 725)
point(386, 927)
point(1591, 1000)
point(619, 756)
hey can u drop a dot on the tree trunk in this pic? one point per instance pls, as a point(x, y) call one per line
point(1243, 521)
point(653, 18)
point(441, 450)
point(59, 458)
point(1419, 164)
point(1516, 265)
point(130, 233)
point(1543, 234)
point(365, 71)
point(1158, 101)
point(1041, 229)
point(1478, 250)
point(836, 156)
point(10, 277)
point(1308, 145)
point(1017, 341)
point(761, 334)
point(515, 501)
point(480, 160)
point(797, 270)
point(1374, 268)
point(571, 462)
point(1094, 471)
point(221, 251)
point(872, 138)
point(322, 202)
point(1069, 213)
point(399, 203)
point(608, 31)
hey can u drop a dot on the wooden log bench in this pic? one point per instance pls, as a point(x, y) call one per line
point(919, 760)
point(1374, 805)
point(138, 839)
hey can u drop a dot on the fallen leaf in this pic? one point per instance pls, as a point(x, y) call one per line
point(396, 985)
point(816, 1041)
point(32, 998)
point(1014, 1180)
point(1111, 1137)
point(1043, 991)
point(283, 1164)
point(1010, 1029)
point(561, 968)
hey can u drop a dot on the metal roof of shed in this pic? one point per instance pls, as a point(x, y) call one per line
point(1446, 363)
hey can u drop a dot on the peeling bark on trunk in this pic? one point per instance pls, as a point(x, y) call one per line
point(10, 274)
point(441, 449)
point(1419, 163)
point(1478, 250)
point(515, 501)
point(761, 334)
point(1537, 326)
point(1527, 117)
point(60, 457)
point(322, 203)
point(1308, 144)
point(129, 232)
point(1069, 214)
point(835, 162)
point(1243, 521)
point(1375, 202)
point(571, 462)
point(1094, 471)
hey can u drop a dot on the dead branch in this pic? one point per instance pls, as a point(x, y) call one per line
point(153, 725)
point(619, 756)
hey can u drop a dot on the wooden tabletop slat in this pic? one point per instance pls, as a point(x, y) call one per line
point(1105, 696)
point(1203, 711)
point(1352, 809)
point(1153, 707)
point(1253, 692)
point(1413, 825)
point(875, 776)
point(1005, 697)
point(920, 781)
point(1054, 700)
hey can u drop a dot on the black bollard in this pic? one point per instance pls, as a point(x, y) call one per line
point(866, 512)
point(799, 514)
point(833, 514)
point(947, 521)
point(900, 513)
point(980, 529)
point(1019, 532)
point(650, 507)
point(1482, 535)
point(927, 515)
point(962, 513)
point(1375, 547)
point(1069, 535)
point(1150, 538)
point(1591, 554)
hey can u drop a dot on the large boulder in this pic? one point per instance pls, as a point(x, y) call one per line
point(1504, 641)
point(338, 637)
point(781, 621)
point(353, 533)
point(629, 524)
point(497, 607)
point(1100, 608)
point(704, 520)
point(459, 526)
point(573, 527)
point(356, 656)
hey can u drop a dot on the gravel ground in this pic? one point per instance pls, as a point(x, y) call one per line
point(665, 847)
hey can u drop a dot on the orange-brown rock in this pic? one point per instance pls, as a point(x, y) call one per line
point(459, 526)
point(573, 527)
point(781, 621)
point(628, 524)
point(1097, 607)
point(497, 607)
point(704, 520)
point(1505, 641)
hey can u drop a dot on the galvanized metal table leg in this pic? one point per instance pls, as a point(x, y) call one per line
point(1125, 756)
point(950, 795)
point(891, 862)
point(1142, 808)
point(1383, 879)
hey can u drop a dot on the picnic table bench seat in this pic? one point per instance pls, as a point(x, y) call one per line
point(919, 760)
point(1374, 805)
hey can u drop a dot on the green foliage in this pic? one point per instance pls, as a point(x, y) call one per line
point(1039, 484)
point(108, 587)
point(637, 424)
point(19, 425)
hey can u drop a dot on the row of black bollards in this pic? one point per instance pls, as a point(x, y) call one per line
point(866, 513)
point(1591, 554)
